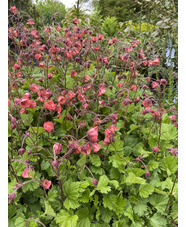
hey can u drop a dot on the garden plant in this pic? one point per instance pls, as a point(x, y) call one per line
point(92, 139)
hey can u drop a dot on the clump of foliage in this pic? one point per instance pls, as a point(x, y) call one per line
point(91, 140)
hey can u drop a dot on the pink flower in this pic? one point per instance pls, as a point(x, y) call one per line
point(34, 87)
point(126, 102)
point(173, 118)
point(119, 85)
point(133, 88)
point(75, 21)
point(93, 134)
point(156, 61)
point(71, 95)
point(61, 100)
point(147, 102)
point(94, 39)
point(25, 102)
point(96, 147)
point(38, 57)
point(48, 126)
point(25, 173)
point(13, 9)
point(100, 37)
point(30, 21)
point(110, 42)
point(42, 65)
point(85, 149)
point(102, 89)
point(154, 84)
point(86, 79)
point(73, 73)
point(47, 183)
point(114, 40)
point(155, 150)
point(50, 105)
point(57, 147)
point(81, 97)
point(16, 66)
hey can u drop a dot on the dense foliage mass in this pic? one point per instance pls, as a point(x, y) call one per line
point(92, 138)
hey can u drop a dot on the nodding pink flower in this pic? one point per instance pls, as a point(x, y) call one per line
point(34, 87)
point(93, 134)
point(114, 117)
point(145, 63)
point(48, 126)
point(71, 95)
point(176, 124)
point(38, 57)
point(150, 63)
point(55, 164)
point(96, 147)
point(155, 150)
point(85, 149)
point(25, 102)
point(74, 146)
point(49, 76)
point(13, 9)
point(174, 151)
point(47, 29)
point(147, 102)
point(102, 102)
point(105, 60)
point(86, 106)
point(127, 102)
point(57, 148)
point(50, 105)
point(23, 111)
point(11, 197)
point(16, 66)
point(100, 37)
point(94, 39)
point(163, 81)
point(32, 104)
point(128, 49)
point(133, 88)
point(102, 89)
point(147, 174)
point(19, 74)
point(73, 73)
point(47, 183)
point(110, 42)
point(58, 28)
point(30, 21)
point(86, 79)
point(42, 65)
point(154, 84)
point(137, 99)
point(119, 85)
point(156, 61)
point(114, 40)
point(8, 102)
point(135, 43)
point(75, 21)
point(96, 48)
point(81, 97)
point(173, 118)
point(25, 173)
point(61, 100)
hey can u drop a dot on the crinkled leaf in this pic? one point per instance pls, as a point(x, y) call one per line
point(102, 184)
point(129, 213)
point(159, 202)
point(66, 219)
point(145, 190)
point(95, 159)
point(133, 179)
point(158, 221)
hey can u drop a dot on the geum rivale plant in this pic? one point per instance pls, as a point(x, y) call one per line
point(90, 143)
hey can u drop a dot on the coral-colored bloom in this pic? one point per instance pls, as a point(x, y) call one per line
point(102, 89)
point(85, 149)
point(75, 21)
point(147, 102)
point(42, 65)
point(110, 42)
point(47, 183)
point(50, 105)
point(119, 85)
point(25, 173)
point(57, 147)
point(48, 126)
point(96, 147)
point(155, 150)
point(25, 102)
point(94, 39)
point(100, 37)
point(71, 95)
point(30, 21)
point(114, 40)
point(73, 73)
point(156, 61)
point(13, 9)
point(173, 118)
point(32, 104)
point(34, 87)
point(61, 100)
point(38, 57)
point(126, 102)
point(86, 79)
point(154, 84)
point(93, 134)
point(133, 88)
point(81, 97)
point(16, 66)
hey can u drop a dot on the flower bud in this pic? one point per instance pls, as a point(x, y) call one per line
point(21, 151)
point(147, 174)
point(95, 182)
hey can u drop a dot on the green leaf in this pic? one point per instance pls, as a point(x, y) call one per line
point(120, 203)
point(84, 217)
point(152, 165)
point(49, 210)
point(31, 186)
point(71, 191)
point(109, 201)
point(66, 219)
point(118, 145)
point(106, 214)
point(140, 208)
point(102, 184)
point(81, 161)
point(115, 183)
point(129, 213)
point(20, 221)
point(95, 159)
point(85, 196)
point(169, 164)
point(159, 202)
point(158, 221)
point(133, 179)
point(145, 190)
point(27, 118)
point(168, 132)
point(40, 130)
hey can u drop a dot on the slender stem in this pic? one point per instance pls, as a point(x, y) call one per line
point(32, 219)
point(149, 133)
point(172, 190)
